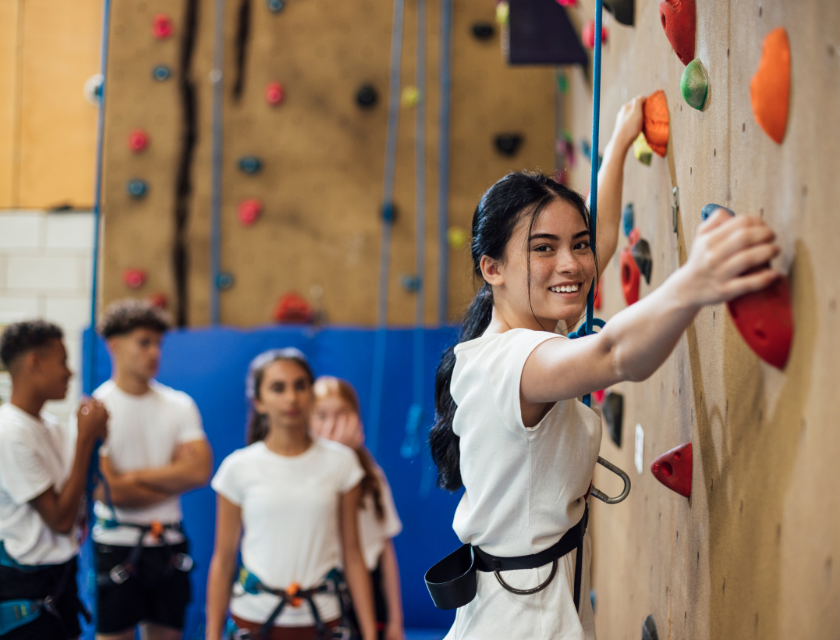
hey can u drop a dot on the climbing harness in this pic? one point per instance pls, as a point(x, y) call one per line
point(294, 596)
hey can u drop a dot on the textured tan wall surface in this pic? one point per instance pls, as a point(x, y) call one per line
point(752, 553)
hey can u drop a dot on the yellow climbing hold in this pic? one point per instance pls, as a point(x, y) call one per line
point(502, 12)
point(642, 150)
point(410, 97)
point(458, 238)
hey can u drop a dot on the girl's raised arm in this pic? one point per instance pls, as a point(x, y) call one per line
point(222, 565)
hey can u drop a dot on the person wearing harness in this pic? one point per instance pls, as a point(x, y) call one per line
point(510, 428)
point(155, 451)
point(43, 469)
point(336, 417)
point(293, 501)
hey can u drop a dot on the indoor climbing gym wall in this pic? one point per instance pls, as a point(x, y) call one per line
point(733, 531)
point(231, 186)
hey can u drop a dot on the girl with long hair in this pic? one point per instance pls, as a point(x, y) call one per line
point(510, 428)
point(336, 417)
point(293, 501)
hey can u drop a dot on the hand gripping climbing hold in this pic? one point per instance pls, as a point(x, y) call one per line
point(642, 150)
point(274, 93)
point(162, 26)
point(765, 321)
point(587, 34)
point(613, 409)
point(507, 143)
point(679, 19)
point(709, 209)
point(673, 469)
point(629, 277)
point(655, 127)
point(694, 84)
point(770, 86)
point(249, 211)
point(641, 255)
point(138, 140)
point(134, 278)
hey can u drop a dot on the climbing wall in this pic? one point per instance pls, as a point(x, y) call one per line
point(315, 203)
point(750, 554)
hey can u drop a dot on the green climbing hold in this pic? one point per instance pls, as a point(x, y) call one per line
point(694, 84)
point(562, 82)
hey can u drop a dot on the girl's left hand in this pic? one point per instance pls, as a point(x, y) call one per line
point(628, 122)
point(394, 632)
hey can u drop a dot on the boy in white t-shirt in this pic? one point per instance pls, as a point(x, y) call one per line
point(43, 469)
point(156, 450)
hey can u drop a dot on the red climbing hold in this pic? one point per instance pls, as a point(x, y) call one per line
point(158, 300)
point(629, 277)
point(656, 122)
point(597, 301)
point(679, 19)
point(249, 211)
point(673, 469)
point(567, 3)
point(274, 93)
point(765, 321)
point(134, 278)
point(770, 86)
point(293, 308)
point(587, 35)
point(138, 140)
point(634, 236)
point(162, 26)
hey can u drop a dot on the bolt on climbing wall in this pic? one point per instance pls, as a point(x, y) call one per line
point(747, 429)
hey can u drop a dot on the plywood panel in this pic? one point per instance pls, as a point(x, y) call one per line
point(8, 89)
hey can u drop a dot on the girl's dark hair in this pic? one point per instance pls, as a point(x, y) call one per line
point(501, 207)
point(258, 423)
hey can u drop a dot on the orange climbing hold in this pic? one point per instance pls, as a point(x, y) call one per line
point(656, 122)
point(765, 321)
point(770, 86)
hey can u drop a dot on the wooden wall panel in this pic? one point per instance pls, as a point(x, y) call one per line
point(9, 11)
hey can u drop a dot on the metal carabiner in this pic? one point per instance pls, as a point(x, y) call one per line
point(597, 493)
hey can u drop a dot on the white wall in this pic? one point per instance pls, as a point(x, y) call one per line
point(45, 272)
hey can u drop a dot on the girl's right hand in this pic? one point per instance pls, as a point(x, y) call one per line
point(730, 257)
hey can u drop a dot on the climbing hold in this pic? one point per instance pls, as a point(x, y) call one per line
point(623, 10)
point(629, 276)
point(628, 219)
point(137, 189)
point(366, 96)
point(161, 73)
point(709, 209)
point(134, 278)
point(410, 97)
point(586, 150)
point(679, 19)
point(770, 86)
point(158, 300)
point(249, 211)
point(508, 143)
point(138, 140)
point(567, 3)
point(93, 89)
point(483, 30)
point(274, 93)
point(641, 254)
point(250, 164)
point(613, 409)
point(673, 469)
point(502, 13)
point(694, 84)
point(765, 321)
point(562, 82)
point(587, 35)
point(634, 236)
point(592, 599)
point(389, 212)
point(642, 150)
point(292, 308)
point(596, 302)
point(162, 26)
point(655, 125)
point(649, 629)
point(457, 237)
point(224, 280)
point(411, 283)
point(275, 6)
point(599, 395)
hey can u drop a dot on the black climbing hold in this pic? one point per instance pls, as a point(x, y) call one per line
point(388, 212)
point(367, 96)
point(641, 254)
point(275, 6)
point(224, 280)
point(623, 10)
point(540, 32)
point(483, 30)
point(709, 209)
point(250, 164)
point(613, 410)
point(628, 219)
point(161, 73)
point(508, 143)
point(411, 283)
point(649, 629)
point(137, 189)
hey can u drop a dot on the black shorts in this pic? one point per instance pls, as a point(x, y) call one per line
point(147, 595)
point(23, 585)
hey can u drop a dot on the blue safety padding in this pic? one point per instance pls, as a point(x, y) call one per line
point(210, 365)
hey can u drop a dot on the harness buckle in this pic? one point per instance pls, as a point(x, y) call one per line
point(49, 605)
point(119, 574)
point(291, 593)
point(156, 530)
point(183, 562)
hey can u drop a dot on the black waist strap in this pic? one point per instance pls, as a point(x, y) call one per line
point(452, 582)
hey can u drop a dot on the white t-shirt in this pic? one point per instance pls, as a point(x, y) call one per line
point(373, 532)
point(144, 432)
point(34, 456)
point(523, 491)
point(290, 523)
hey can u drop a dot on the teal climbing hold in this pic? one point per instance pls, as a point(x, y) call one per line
point(137, 189)
point(224, 280)
point(628, 219)
point(694, 84)
point(250, 164)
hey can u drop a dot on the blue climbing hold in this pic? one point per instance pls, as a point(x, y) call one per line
point(275, 6)
point(411, 283)
point(161, 73)
point(709, 209)
point(137, 189)
point(224, 280)
point(388, 212)
point(586, 149)
point(628, 219)
point(250, 164)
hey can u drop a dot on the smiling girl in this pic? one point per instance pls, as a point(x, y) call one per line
point(510, 427)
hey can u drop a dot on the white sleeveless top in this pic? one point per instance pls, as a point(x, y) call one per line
point(523, 491)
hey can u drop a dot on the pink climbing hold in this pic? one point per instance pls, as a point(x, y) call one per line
point(567, 3)
point(138, 140)
point(134, 278)
point(162, 26)
point(588, 34)
point(274, 93)
point(249, 211)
